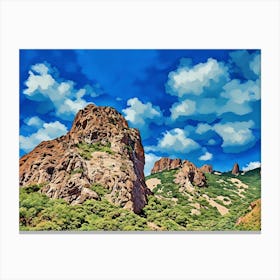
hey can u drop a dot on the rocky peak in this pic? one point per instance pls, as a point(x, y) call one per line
point(166, 164)
point(235, 169)
point(206, 168)
point(93, 123)
point(100, 150)
point(189, 176)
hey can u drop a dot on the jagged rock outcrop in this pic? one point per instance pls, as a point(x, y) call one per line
point(235, 170)
point(100, 149)
point(190, 176)
point(206, 168)
point(166, 164)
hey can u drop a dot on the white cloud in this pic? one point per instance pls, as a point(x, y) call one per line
point(176, 140)
point(238, 109)
point(34, 121)
point(138, 113)
point(186, 80)
point(47, 132)
point(150, 159)
point(241, 92)
point(141, 115)
point(66, 100)
point(202, 128)
point(37, 82)
point(41, 69)
point(70, 107)
point(252, 165)
point(184, 108)
point(255, 64)
point(206, 156)
point(235, 133)
point(236, 98)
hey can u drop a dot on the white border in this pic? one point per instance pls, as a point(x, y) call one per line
point(154, 24)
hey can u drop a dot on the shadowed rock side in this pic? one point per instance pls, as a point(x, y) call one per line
point(166, 164)
point(100, 150)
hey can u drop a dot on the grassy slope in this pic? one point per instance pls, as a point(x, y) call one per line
point(168, 209)
point(252, 220)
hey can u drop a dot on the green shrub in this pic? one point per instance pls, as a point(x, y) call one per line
point(76, 171)
point(99, 189)
point(86, 150)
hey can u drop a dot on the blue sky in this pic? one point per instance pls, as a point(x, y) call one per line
point(200, 105)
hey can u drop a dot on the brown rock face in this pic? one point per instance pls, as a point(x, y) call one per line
point(166, 164)
point(189, 176)
point(206, 168)
point(235, 169)
point(100, 149)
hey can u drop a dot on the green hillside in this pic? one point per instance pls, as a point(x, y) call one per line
point(194, 211)
point(216, 207)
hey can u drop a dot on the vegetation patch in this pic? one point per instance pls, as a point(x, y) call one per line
point(86, 150)
point(100, 190)
point(77, 171)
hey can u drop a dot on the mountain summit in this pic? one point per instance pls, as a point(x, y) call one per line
point(100, 155)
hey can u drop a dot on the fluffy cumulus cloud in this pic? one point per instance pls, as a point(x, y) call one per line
point(207, 156)
point(150, 159)
point(140, 115)
point(251, 165)
point(44, 84)
point(185, 108)
point(34, 122)
point(235, 134)
point(207, 88)
point(47, 132)
point(223, 97)
point(194, 80)
point(175, 141)
point(239, 96)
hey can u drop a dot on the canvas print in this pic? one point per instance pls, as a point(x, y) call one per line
point(140, 140)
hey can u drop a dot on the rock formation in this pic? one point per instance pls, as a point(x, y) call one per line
point(100, 149)
point(189, 176)
point(166, 164)
point(235, 169)
point(206, 168)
